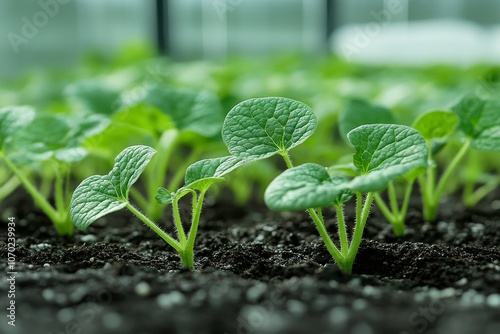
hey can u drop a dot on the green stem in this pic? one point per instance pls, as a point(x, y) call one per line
point(8, 187)
point(393, 199)
point(168, 239)
point(450, 169)
point(475, 196)
point(287, 159)
point(157, 173)
point(332, 249)
point(30, 188)
point(358, 230)
point(384, 208)
point(344, 243)
point(434, 195)
point(195, 220)
point(178, 222)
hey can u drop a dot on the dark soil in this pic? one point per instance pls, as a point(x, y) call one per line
point(258, 272)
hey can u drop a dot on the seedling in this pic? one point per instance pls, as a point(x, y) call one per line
point(384, 152)
point(99, 195)
point(46, 142)
point(479, 129)
point(167, 118)
point(359, 112)
point(254, 129)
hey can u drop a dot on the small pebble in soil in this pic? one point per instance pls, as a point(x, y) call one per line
point(48, 294)
point(198, 298)
point(359, 304)
point(477, 229)
point(338, 315)
point(65, 315)
point(255, 292)
point(493, 300)
point(40, 246)
point(142, 289)
point(46, 265)
point(296, 307)
point(461, 282)
point(112, 320)
point(88, 238)
point(170, 300)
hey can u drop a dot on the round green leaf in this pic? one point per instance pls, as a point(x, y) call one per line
point(436, 124)
point(359, 112)
point(259, 128)
point(385, 152)
point(305, 186)
point(99, 195)
point(480, 121)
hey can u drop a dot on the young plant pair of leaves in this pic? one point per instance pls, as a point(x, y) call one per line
point(168, 118)
point(254, 129)
point(359, 112)
point(46, 142)
point(384, 152)
point(477, 125)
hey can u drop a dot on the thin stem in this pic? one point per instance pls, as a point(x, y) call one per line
point(344, 243)
point(332, 249)
point(178, 222)
point(287, 159)
point(156, 175)
point(450, 169)
point(393, 199)
point(358, 229)
point(168, 239)
point(406, 198)
point(8, 187)
point(384, 208)
point(37, 197)
point(59, 195)
point(475, 196)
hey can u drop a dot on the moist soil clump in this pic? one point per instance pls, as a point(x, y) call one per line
point(257, 272)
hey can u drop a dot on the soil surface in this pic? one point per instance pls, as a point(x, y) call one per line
point(257, 272)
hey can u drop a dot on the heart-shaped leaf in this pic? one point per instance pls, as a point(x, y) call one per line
point(203, 173)
point(63, 142)
point(305, 186)
point(259, 128)
point(12, 119)
point(480, 121)
point(99, 195)
point(163, 196)
point(436, 124)
point(385, 152)
point(359, 112)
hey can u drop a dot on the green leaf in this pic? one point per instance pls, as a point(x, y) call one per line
point(210, 171)
point(13, 119)
point(163, 196)
point(480, 121)
point(436, 124)
point(259, 128)
point(305, 186)
point(92, 97)
point(99, 195)
point(191, 110)
point(385, 152)
point(51, 136)
point(359, 112)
